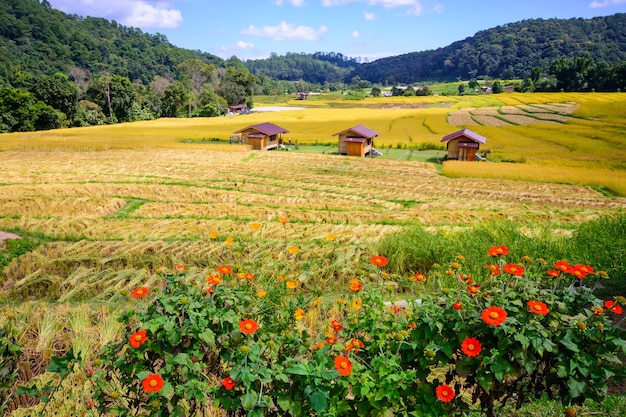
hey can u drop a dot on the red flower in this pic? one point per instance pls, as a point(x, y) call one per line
point(471, 346)
point(336, 325)
point(498, 250)
point(139, 292)
point(564, 266)
point(249, 276)
point(224, 270)
point(248, 326)
point(343, 365)
point(473, 289)
point(412, 326)
point(152, 383)
point(494, 316)
point(379, 261)
point(514, 269)
point(584, 268)
point(613, 307)
point(538, 307)
point(457, 305)
point(179, 269)
point(553, 272)
point(228, 383)
point(214, 279)
point(445, 393)
point(138, 338)
point(354, 345)
point(579, 272)
point(494, 268)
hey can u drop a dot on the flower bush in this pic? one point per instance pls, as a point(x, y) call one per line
point(430, 344)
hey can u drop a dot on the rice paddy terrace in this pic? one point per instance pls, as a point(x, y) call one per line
point(113, 217)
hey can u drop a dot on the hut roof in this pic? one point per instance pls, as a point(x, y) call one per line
point(361, 131)
point(466, 133)
point(269, 129)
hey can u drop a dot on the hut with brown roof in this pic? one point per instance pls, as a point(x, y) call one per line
point(356, 141)
point(463, 145)
point(264, 136)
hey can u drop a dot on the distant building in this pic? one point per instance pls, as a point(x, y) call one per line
point(237, 109)
point(356, 141)
point(264, 136)
point(463, 145)
point(303, 95)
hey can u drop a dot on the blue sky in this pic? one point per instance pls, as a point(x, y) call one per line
point(369, 29)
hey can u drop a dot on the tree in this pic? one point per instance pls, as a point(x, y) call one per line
point(176, 99)
point(473, 84)
point(20, 111)
point(57, 91)
point(461, 89)
point(376, 92)
point(528, 86)
point(497, 87)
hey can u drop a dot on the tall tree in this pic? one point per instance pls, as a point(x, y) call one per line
point(57, 91)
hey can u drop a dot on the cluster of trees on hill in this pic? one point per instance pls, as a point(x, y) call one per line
point(506, 52)
point(60, 70)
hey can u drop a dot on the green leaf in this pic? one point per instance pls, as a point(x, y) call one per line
point(319, 402)
point(249, 399)
point(576, 388)
point(178, 411)
point(207, 336)
point(181, 359)
point(298, 369)
point(173, 338)
point(520, 337)
point(568, 343)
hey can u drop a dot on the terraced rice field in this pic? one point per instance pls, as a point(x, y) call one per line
point(118, 215)
point(522, 115)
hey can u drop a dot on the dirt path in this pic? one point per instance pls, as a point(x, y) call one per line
point(6, 236)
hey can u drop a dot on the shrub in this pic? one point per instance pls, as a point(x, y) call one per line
point(516, 332)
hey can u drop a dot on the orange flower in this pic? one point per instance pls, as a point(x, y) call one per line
point(261, 293)
point(412, 326)
point(495, 269)
point(224, 270)
point(597, 310)
point(473, 289)
point(283, 220)
point(291, 284)
point(293, 250)
point(445, 393)
point(336, 326)
point(379, 261)
point(213, 234)
point(357, 303)
point(214, 279)
point(353, 346)
point(228, 241)
point(471, 346)
point(613, 307)
point(249, 276)
point(553, 272)
point(152, 383)
point(538, 307)
point(419, 277)
point(256, 226)
point(584, 268)
point(299, 314)
point(179, 269)
point(343, 365)
point(138, 338)
point(513, 269)
point(498, 250)
point(457, 305)
point(330, 237)
point(355, 285)
point(228, 383)
point(140, 292)
point(494, 316)
point(248, 326)
point(564, 266)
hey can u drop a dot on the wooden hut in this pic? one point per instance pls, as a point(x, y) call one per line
point(356, 141)
point(237, 109)
point(463, 145)
point(264, 136)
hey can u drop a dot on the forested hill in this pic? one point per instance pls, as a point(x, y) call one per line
point(506, 52)
point(38, 40)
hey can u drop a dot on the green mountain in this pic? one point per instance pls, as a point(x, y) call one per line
point(39, 40)
point(506, 52)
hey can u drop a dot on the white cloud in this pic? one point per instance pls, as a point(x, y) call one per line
point(138, 13)
point(605, 3)
point(356, 34)
point(244, 46)
point(369, 16)
point(286, 32)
